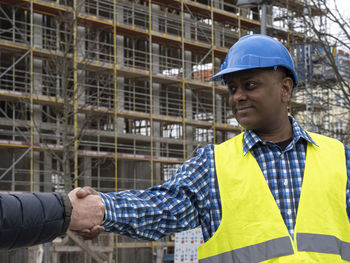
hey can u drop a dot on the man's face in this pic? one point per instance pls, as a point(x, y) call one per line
point(258, 97)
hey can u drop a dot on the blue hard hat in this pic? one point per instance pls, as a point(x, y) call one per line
point(256, 51)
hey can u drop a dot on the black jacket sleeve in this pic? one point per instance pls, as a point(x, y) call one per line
point(30, 219)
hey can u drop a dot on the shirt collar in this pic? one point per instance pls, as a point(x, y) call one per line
point(250, 138)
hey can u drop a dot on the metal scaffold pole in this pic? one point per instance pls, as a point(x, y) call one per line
point(213, 63)
point(239, 23)
point(115, 96)
point(75, 91)
point(31, 97)
point(151, 92)
point(151, 86)
point(288, 21)
point(290, 109)
point(115, 110)
point(183, 80)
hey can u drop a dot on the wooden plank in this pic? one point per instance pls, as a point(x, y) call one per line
point(100, 258)
point(59, 248)
point(143, 244)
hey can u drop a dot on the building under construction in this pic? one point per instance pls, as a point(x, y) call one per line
point(116, 94)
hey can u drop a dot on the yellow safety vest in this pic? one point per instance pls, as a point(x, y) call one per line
point(252, 228)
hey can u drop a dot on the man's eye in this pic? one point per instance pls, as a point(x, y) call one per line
point(232, 89)
point(250, 85)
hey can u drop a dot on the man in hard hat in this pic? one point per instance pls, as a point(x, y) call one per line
point(274, 192)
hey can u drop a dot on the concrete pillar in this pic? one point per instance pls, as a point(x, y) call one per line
point(188, 93)
point(269, 15)
point(8, 157)
point(217, 64)
point(156, 96)
point(81, 73)
point(87, 171)
point(81, 42)
point(219, 4)
point(47, 172)
point(81, 88)
point(218, 34)
point(82, 95)
point(120, 103)
point(38, 34)
point(155, 20)
point(37, 83)
point(120, 80)
point(218, 117)
point(245, 12)
point(219, 105)
point(156, 131)
point(188, 65)
point(188, 55)
point(189, 129)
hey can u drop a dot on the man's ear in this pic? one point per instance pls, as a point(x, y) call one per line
point(286, 89)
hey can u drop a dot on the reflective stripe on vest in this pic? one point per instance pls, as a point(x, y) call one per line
point(282, 247)
point(323, 244)
point(256, 253)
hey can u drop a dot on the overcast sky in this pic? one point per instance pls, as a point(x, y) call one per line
point(344, 9)
point(343, 6)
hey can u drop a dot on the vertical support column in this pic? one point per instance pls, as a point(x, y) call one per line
point(219, 119)
point(13, 155)
point(156, 95)
point(115, 105)
point(119, 61)
point(188, 129)
point(13, 173)
point(150, 45)
point(47, 172)
point(288, 25)
point(75, 90)
point(37, 89)
point(239, 23)
point(151, 83)
point(87, 167)
point(290, 105)
point(216, 62)
point(183, 81)
point(213, 61)
point(263, 19)
point(31, 97)
point(219, 4)
point(81, 93)
point(115, 101)
point(219, 34)
point(120, 97)
point(308, 88)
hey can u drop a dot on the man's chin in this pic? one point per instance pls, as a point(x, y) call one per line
point(248, 124)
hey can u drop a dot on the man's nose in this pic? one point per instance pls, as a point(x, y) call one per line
point(239, 94)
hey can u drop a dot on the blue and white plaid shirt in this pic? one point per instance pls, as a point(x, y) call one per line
point(191, 196)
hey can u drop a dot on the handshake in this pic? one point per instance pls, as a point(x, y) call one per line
point(87, 213)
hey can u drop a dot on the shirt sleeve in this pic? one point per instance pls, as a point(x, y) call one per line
point(347, 155)
point(162, 210)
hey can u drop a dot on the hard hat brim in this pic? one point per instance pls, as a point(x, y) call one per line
point(219, 76)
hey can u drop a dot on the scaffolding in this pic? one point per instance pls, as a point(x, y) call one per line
point(121, 88)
